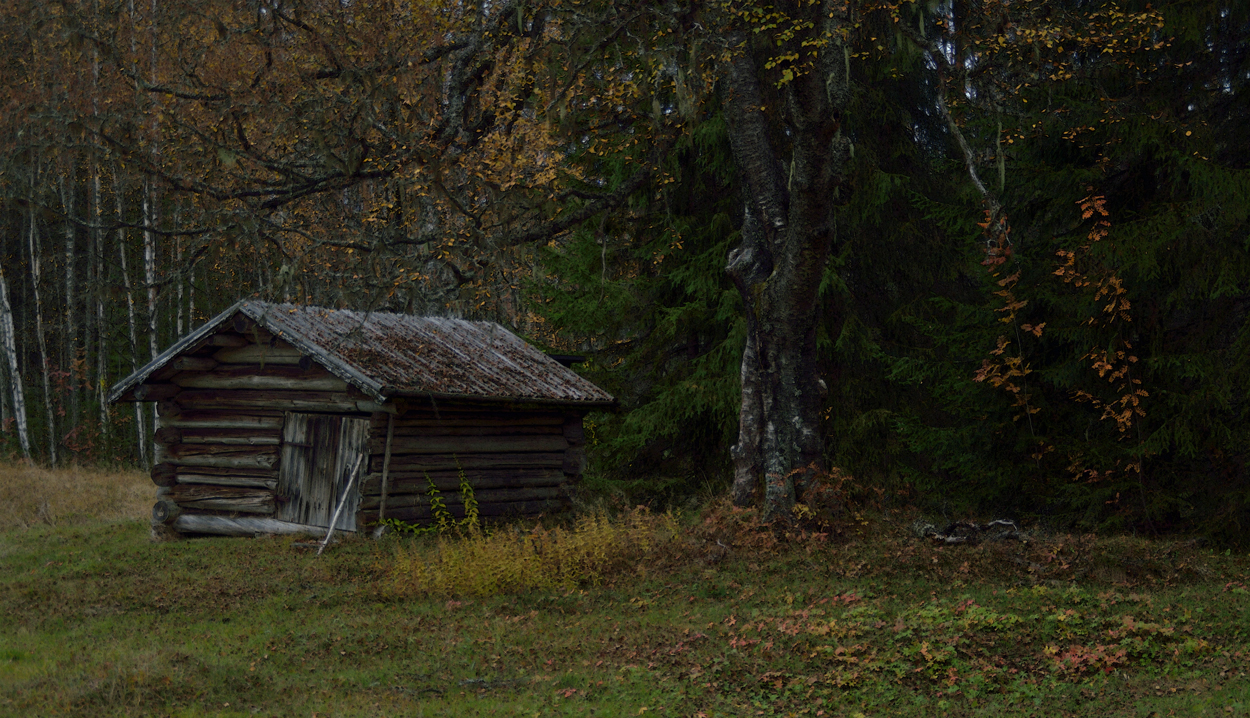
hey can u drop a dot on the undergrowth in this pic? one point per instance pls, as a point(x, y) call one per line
point(478, 561)
point(443, 520)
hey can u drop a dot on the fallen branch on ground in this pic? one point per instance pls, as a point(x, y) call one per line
point(961, 532)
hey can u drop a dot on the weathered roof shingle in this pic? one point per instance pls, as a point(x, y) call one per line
point(387, 355)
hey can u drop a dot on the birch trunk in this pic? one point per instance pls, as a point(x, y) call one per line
point(8, 343)
point(151, 207)
point(149, 275)
point(149, 262)
point(5, 393)
point(787, 237)
point(71, 335)
point(140, 426)
point(100, 273)
point(180, 296)
point(35, 272)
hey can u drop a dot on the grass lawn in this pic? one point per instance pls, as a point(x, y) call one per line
point(98, 620)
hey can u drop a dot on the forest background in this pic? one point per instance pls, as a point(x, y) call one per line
point(998, 250)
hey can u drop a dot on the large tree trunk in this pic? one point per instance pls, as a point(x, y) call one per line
point(787, 236)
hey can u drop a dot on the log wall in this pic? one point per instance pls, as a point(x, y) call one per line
point(222, 408)
point(518, 462)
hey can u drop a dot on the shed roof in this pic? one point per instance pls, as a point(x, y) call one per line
point(388, 355)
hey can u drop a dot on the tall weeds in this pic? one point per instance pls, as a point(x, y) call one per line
point(482, 562)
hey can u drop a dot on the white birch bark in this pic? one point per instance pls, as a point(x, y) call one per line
point(181, 295)
point(8, 343)
point(101, 278)
point(140, 426)
point(97, 251)
point(149, 262)
point(151, 210)
point(190, 297)
point(4, 392)
point(149, 275)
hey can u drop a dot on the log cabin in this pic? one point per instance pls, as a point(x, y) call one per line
point(275, 418)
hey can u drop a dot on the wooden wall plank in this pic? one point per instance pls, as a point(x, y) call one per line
point(227, 339)
point(192, 363)
point(297, 401)
point(478, 479)
point(223, 498)
point(251, 457)
point(482, 417)
point(178, 418)
point(216, 479)
point(485, 496)
point(262, 378)
point(477, 444)
point(282, 354)
point(477, 431)
point(414, 465)
point(242, 526)
point(155, 392)
point(574, 431)
point(229, 436)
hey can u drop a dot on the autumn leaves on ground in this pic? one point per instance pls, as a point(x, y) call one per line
point(640, 613)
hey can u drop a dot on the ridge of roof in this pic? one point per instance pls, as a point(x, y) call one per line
point(386, 354)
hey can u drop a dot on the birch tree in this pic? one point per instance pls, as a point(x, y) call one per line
point(36, 278)
point(8, 344)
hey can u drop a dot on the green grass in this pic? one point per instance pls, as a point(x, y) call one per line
point(100, 621)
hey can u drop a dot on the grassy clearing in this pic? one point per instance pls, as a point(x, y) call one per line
point(30, 495)
point(725, 619)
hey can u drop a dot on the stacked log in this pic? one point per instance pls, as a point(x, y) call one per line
point(223, 402)
point(221, 408)
point(515, 462)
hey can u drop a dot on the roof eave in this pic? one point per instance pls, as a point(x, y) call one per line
point(122, 387)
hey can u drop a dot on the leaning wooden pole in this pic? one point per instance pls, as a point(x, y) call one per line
point(342, 500)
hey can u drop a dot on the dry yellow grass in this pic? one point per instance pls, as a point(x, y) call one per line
point(30, 495)
point(486, 563)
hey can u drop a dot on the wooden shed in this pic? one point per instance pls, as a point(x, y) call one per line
point(271, 416)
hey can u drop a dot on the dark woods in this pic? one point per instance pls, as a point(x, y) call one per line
point(988, 257)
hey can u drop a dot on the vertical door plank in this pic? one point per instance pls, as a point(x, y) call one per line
point(318, 454)
point(295, 467)
point(353, 443)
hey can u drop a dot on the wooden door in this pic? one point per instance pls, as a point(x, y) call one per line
point(318, 454)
